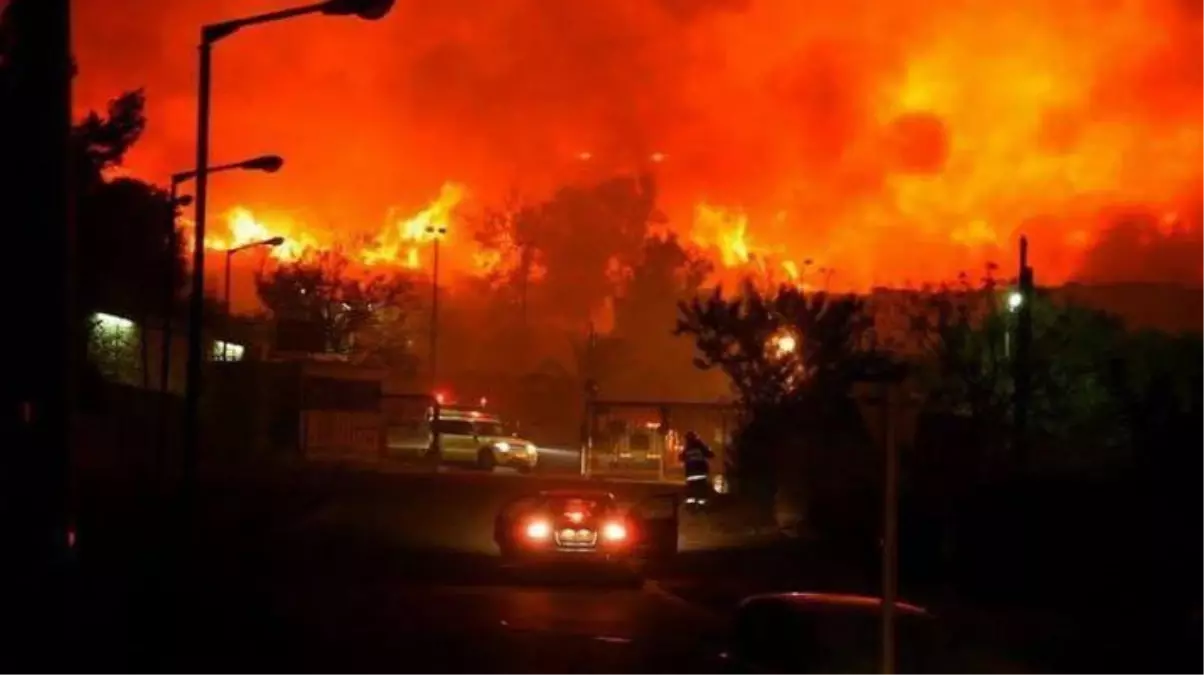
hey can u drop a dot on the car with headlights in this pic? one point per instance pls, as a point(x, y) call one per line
point(480, 439)
point(572, 526)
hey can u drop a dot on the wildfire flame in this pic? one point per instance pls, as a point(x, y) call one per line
point(723, 234)
point(401, 242)
point(398, 244)
point(904, 141)
point(243, 228)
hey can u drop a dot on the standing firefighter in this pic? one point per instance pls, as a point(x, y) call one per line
point(696, 456)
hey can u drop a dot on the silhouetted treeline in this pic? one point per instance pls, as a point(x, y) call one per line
point(1106, 496)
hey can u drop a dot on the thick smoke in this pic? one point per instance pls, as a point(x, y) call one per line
point(891, 140)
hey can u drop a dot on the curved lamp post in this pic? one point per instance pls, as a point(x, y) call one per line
point(272, 242)
point(210, 34)
point(265, 163)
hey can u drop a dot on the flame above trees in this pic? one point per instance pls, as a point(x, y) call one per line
point(892, 142)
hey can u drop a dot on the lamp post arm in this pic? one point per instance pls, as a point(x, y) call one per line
point(253, 244)
point(216, 31)
point(189, 175)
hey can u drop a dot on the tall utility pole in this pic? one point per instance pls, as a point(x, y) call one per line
point(884, 399)
point(890, 524)
point(523, 287)
point(524, 283)
point(169, 308)
point(591, 396)
point(434, 349)
point(196, 299)
point(1022, 374)
point(38, 385)
point(436, 233)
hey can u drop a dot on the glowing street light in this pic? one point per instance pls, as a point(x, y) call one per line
point(784, 344)
point(1015, 299)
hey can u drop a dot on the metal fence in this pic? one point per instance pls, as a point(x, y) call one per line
point(642, 439)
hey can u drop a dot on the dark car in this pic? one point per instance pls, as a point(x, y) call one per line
point(830, 633)
point(586, 526)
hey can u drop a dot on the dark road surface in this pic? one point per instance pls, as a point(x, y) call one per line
point(337, 569)
point(391, 623)
point(374, 571)
point(448, 511)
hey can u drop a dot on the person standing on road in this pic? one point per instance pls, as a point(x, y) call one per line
point(696, 456)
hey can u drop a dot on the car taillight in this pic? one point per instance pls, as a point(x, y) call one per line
point(539, 529)
point(614, 532)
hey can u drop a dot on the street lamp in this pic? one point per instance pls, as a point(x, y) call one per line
point(1015, 300)
point(436, 233)
point(210, 34)
point(273, 242)
point(784, 344)
point(265, 163)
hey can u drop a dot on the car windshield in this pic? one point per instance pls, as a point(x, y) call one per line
point(587, 507)
point(456, 427)
point(490, 429)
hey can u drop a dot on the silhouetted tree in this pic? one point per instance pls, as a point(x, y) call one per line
point(800, 431)
point(964, 337)
point(968, 335)
point(101, 143)
point(654, 361)
point(360, 316)
point(122, 259)
point(580, 239)
point(125, 265)
point(121, 224)
point(665, 274)
point(123, 254)
point(741, 334)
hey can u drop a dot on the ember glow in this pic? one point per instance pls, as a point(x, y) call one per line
point(882, 142)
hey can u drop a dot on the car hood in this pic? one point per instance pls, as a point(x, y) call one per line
point(512, 440)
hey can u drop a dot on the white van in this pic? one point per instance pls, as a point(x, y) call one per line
point(479, 438)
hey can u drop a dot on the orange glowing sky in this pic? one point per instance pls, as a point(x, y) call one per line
point(892, 141)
